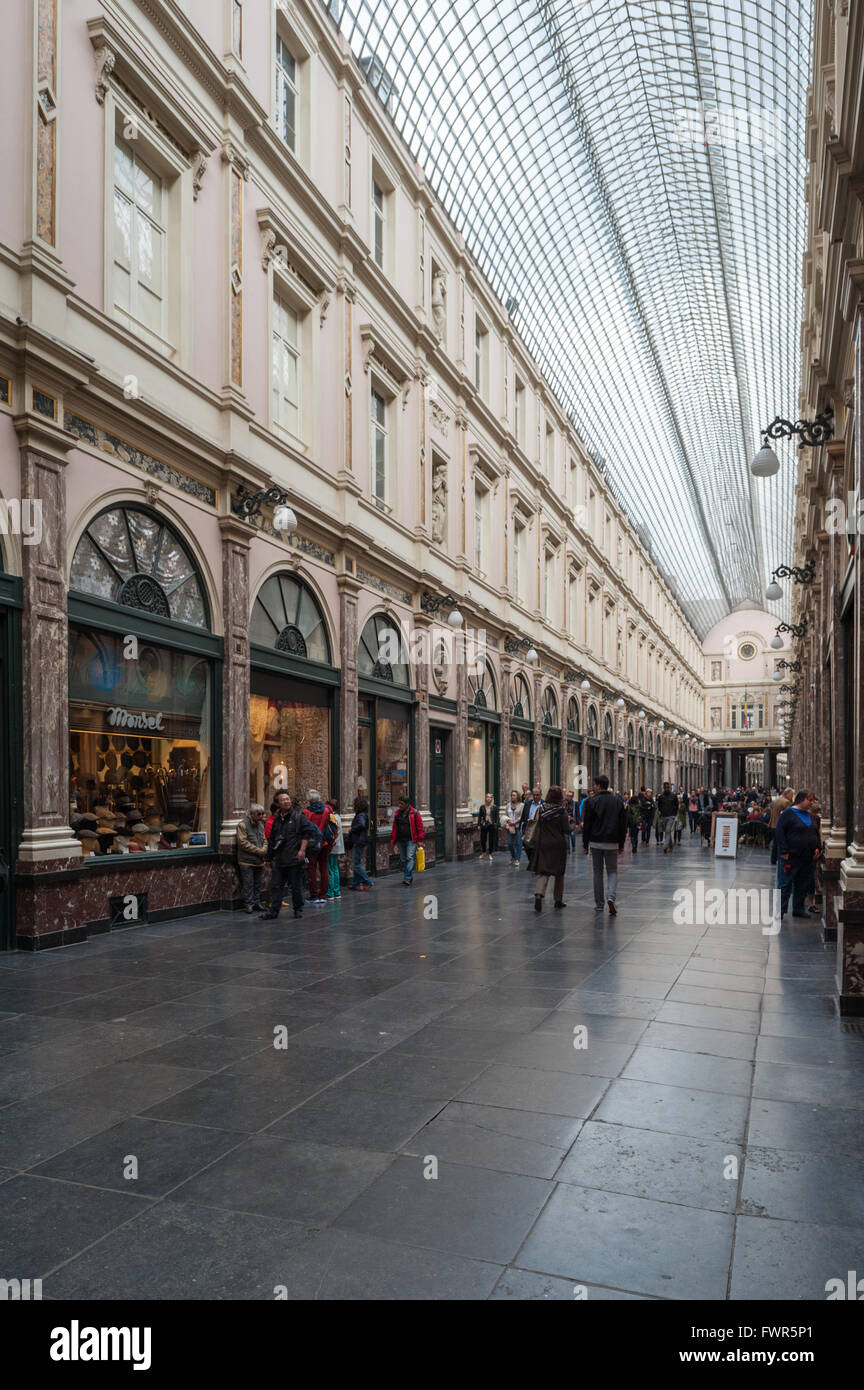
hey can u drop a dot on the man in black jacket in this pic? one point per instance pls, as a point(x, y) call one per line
point(667, 805)
point(604, 830)
point(798, 846)
point(290, 833)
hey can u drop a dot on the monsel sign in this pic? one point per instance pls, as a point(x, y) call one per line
point(126, 719)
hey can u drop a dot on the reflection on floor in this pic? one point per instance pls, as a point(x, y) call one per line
point(437, 1094)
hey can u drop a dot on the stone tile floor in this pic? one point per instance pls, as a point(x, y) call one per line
point(283, 1092)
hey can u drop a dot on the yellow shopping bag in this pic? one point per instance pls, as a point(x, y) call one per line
point(420, 859)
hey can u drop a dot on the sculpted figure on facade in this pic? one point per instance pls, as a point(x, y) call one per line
point(439, 502)
point(439, 302)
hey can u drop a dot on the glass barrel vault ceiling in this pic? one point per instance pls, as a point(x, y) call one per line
point(630, 173)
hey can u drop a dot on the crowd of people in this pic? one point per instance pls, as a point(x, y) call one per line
point(303, 841)
point(547, 831)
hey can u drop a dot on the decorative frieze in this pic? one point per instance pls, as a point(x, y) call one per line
point(120, 448)
point(383, 586)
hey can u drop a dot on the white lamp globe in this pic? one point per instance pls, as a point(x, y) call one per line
point(661, 725)
point(586, 685)
point(773, 591)
point(619, 704)
point(764, 464)
point(455, 619)
point(284, 519)
point(778, 675)
point(777, 642)
point(531, 655)
point(641, 714)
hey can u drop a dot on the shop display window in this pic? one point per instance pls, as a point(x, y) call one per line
point(289, 738)
point(140, 754)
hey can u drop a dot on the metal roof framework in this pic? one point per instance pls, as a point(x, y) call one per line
point(630, 173)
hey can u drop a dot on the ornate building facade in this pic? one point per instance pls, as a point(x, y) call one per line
point(220, 271)
point(827, 738)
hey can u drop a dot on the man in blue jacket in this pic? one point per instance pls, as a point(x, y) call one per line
point(798, 847)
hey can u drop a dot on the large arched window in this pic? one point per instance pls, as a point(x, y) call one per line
point(521, 707)
point(550, 709)
point(481, 688)
point(608, 735)
point(573, 716)
point(592, 722)
point(630, 744)
point(131, 556)
point(286, 616)
point(381, 655)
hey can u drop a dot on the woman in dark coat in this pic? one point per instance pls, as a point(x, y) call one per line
point(548, 854)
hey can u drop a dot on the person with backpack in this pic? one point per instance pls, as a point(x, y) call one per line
point(319, 815)
point(406, 835)
point(290, 836)
point(604, 830)
point(357, 841)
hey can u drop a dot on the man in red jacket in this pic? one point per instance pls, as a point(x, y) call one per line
point(406, 834)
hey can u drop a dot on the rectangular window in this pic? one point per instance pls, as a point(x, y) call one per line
point(287, 95)
point(549, 454)
point(139, 240)
point(571, 606)
point(379, 449)
point(516, 584)
point(237, 27)
point(519, 412)
point(289, 735)
point(378, 224)
point(286, 367)
point(547, 587)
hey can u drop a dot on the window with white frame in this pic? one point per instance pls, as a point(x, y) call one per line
point(286, 364)
point(379, 447)
point(572, 604)
point(518, 543)
point(287, 94)
point(548, 575)
point(237, 27)
point(139, 240)
point(379, 222)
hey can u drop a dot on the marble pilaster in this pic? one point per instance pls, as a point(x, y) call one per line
point(348, 700)
point(236, 537)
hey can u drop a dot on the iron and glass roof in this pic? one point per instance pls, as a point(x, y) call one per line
point(629, 175)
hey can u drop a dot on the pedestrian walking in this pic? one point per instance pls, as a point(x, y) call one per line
point(487, 820)
point(530, 808)
point(667, 810)
point(693, 812)
point(547, 857)
point(357, 841)
point(780, 804)
point(406, 835)
point(251, 853)
point(649, 808)
point(514, 828)
point(604, 829)
point(634, 822)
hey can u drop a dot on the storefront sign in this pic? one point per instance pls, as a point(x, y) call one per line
point(126, 719)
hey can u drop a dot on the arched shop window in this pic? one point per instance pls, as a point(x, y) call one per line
point(142, 672)
point(385, 722)
point(134, 557)
point(481, 688)
point(608, 736)
point(292, 693)
point(382, 652)
point(286, 616)
point(573, 716)
point(521, 734)
point(521, 707)
point(550, 708)
point(592, 722)
point(550, 742)
point(483, 730)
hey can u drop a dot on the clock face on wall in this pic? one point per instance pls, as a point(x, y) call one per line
point(747, 651)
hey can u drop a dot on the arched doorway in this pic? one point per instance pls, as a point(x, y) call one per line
point(521, 734)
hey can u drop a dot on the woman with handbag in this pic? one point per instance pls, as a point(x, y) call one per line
point(487, 821)
point(547, 856)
